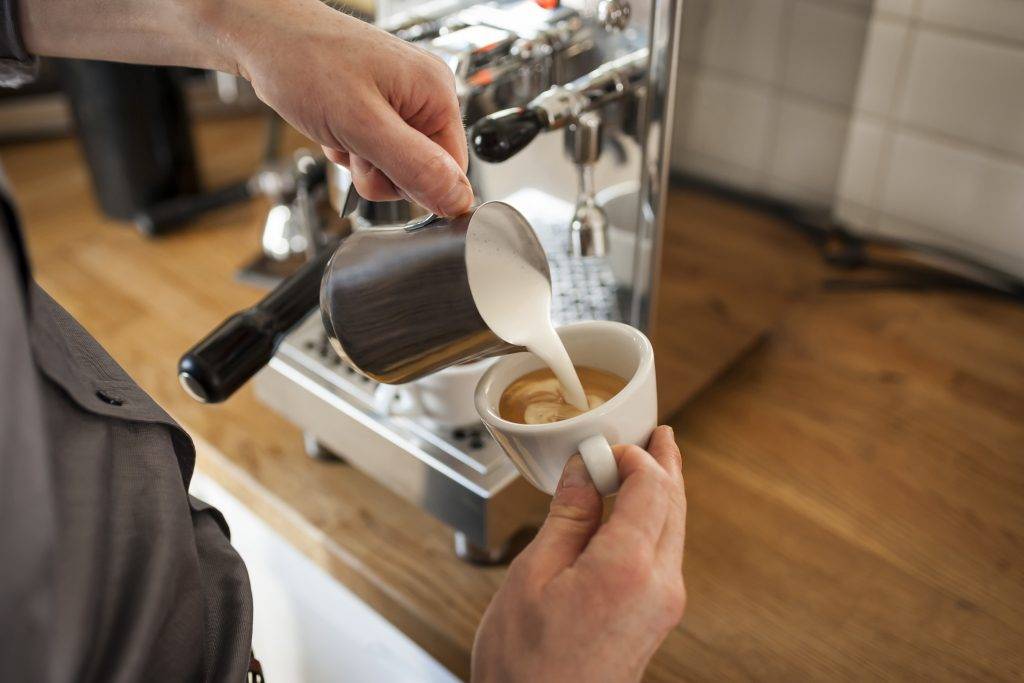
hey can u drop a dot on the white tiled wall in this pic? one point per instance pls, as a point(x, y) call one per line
point(765, 92)
point(935, 150)
point(906, 116)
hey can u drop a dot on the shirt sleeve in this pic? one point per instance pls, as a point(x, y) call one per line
point(17, 66)
point(28, 529)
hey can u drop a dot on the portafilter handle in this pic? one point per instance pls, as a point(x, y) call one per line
point(216, 367)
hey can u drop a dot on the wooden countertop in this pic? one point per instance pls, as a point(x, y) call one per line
point(856, 482)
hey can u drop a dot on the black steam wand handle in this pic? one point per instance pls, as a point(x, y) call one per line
point(504, 134)
point(216, 367)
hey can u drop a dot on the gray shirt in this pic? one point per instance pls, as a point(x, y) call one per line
point(109, 570)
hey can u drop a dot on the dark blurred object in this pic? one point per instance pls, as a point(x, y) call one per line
point(134, 128)
point(167, 215)
point(164, 216)
point(36, 110)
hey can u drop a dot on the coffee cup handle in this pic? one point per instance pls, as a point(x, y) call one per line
point(604, 470)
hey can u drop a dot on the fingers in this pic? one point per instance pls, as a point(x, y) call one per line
point(665, 451)
point(416, 164)
point(368, 179)
point(641, 506)
point(338, 156)
point(662, 446)
point(452, 139)
point(574, 517)
point(370, 182)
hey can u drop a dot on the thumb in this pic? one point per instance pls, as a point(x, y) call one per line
point(423, 169)
point(574, 517)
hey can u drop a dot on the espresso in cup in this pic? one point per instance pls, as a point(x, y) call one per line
point(538, 398)
point(627, 416)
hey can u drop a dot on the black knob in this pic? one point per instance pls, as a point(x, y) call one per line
point(503, 134)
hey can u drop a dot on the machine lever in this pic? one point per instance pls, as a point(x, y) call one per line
point(504, 134)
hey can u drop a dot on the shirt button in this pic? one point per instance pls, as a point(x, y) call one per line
point(107, 398)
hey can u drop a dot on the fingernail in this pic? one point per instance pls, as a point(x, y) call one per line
point(457, 200)
point(575, 474)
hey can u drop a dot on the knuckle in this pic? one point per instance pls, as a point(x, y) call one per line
point(572, 508)
point(434, 173)
point(674, 601)
point(441, 70)
point(634, 452)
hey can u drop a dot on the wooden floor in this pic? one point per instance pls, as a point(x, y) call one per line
point(855, 483)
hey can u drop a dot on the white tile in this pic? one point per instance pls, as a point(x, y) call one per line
point(999, 18)
point(824, 53)
point(957, 192)
point(887, 39)
point(861, 163)
point(743, 36)
point(967, 88)
point(729, 121)
point(901, 7)
point(809, 145)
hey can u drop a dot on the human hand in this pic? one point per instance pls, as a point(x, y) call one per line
point(592, 602)
point(382, 107)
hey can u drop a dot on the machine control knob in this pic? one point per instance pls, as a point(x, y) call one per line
point(504, 134)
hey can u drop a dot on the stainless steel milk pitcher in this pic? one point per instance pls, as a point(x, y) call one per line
point(395, 302)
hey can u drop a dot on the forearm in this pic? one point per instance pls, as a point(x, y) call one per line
point(196, 33)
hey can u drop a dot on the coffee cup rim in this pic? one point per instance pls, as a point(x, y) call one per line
point(645, 366)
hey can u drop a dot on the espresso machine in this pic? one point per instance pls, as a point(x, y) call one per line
point(568, 106)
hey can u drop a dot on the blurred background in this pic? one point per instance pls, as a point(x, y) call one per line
point(831, 267)
point(901, 118)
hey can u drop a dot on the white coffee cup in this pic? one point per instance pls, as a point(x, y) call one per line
point(540, 451)
point(444, 398)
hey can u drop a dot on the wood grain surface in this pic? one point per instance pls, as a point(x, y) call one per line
point(855, 483)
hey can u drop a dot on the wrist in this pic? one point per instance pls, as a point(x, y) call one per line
point(241, 32)
point(218, 24)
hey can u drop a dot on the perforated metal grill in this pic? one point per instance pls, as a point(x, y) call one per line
point(581, 288)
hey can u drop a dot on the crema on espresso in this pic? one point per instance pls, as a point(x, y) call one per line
point(537, 397)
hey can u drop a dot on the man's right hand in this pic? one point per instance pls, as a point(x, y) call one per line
point(382, 107)
point(385, 108)
point(592, 602)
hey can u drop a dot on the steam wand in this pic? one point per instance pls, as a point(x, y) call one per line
point(504, 134)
